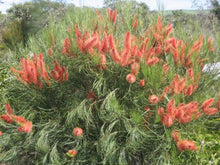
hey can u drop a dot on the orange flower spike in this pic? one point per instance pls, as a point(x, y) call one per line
point(131, 78)
point(8, 108)
point(186, 145)
point(18, 119)
point(111, 41)
point(44, 73)
point(66, 76)
point(134, 51)
point(25, 127)
point(0, 133)
point(125, 56)
point(190, 73)
point(210, 44)
point(112, 14)
point(77, 32)
point(153, 61)
point(66, 46)
point(55, 75)
point(104, 46)
point(89, 43)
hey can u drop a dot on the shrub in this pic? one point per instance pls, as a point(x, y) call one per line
point(108, 96)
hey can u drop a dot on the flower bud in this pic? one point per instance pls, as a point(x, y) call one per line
point(153, 99)
point(131, 78)
point(77, 131)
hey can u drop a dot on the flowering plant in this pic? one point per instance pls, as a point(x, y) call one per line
point(124, 93)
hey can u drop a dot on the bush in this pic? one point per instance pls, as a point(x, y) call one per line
point(15, 35)
point(106, 95)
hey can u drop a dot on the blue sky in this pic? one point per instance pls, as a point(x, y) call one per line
point(153, 4)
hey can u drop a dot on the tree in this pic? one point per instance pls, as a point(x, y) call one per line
point(31, 17)
point(216, 8)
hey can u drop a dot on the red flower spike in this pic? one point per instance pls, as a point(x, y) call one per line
point(91, 95)
point(166, 68)
point(77, 131)
point(134, 23)
point(153, 61)
point(167, 120)
point(210, 111)
point(52, 39)
point(115, 56)
point(131, 78)
point(142, 83)
point(6, 118)
point(160, 111)
point(171, 107)
point(18, 119)
point(8, 108)
point(189, 91)
point(207, 103)
point(0, 133)
point(66, 46)
point(103, 61)
point(125, 56)
point(153, 99)
point(99, 15)
point(176, 136)
point(127, 41)
point(50, 52)
point(72, 153)
point(186, 145)
point(164, 93)
point(210, 45)
point(159, 25)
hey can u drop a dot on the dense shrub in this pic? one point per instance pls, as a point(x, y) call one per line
point(100, 93)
